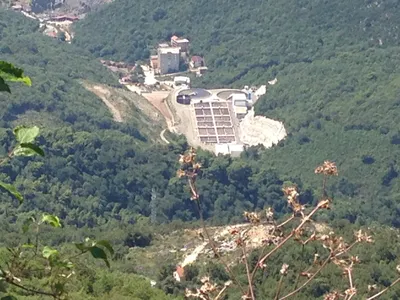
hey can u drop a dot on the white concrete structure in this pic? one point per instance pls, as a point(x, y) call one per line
point(262, 90)
point(238, 96)
point(168, 60)
point(239, 103)
point(181, 80)
point(229, 149)
point(222, 149)
point(273, 82)
point(236, 149)
point(240, 111)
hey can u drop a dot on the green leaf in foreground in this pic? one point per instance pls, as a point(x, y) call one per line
point(10, 73)
point(107, 245)
point(33, 147)
point(48, 252)
point(9, 297)
point(4, 86)
point(26, 135)
point(27, 149)
point(99, 253)
point(12, 190)
point(51, 220)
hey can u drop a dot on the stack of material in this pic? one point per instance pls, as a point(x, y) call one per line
point(261, 130)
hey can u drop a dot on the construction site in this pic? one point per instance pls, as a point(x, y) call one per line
point(220, 120)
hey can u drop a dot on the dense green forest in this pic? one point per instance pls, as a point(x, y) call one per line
point(338, 80)
point(98, 169)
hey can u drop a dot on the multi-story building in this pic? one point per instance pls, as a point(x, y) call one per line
point(168, 59)
point(182, 43)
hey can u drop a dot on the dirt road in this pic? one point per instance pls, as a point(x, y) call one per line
point(163, 137)
point(157, 100)
point(103, 93)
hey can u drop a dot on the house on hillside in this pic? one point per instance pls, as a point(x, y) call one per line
point(181, 43)
point(196, 62)
point(179, 274)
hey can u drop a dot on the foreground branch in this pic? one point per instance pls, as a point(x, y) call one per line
point(248, 271)
point(211, 241)
point(384, 290)
point(32, 291)
point(309, 279)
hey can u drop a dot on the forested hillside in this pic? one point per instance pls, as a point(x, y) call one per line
point(95, 168)
point(73, 121)
point(338, 80)
point(337, 92)
point(241, 38)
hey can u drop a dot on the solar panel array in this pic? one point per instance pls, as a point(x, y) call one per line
point(214, 123)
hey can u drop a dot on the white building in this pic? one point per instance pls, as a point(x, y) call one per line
point(233, 150)
point(181, 80)
point(222, 149)
point(240, 104)
point(236, 149)
point(168, 60)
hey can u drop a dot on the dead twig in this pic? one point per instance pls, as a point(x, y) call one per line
point(384, 290)
point(309, 279)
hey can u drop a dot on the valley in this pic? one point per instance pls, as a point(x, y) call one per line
point(263, 92)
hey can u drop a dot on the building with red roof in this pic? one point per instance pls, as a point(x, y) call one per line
point(196, 61)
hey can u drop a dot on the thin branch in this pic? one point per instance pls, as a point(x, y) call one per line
point(211, 241)
point(285, 222)
point(76, 255)
point(33, 291)
point(309, 279)
point(384, 290)
point(221, 292)
point(248, 271)
point(278, 290)
point(264, 248)
point(349, 296)
point(347, 249)
point(275, 249)
point(261, 261)
point(304, 221)
point(3, 160)
point(350, 278)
